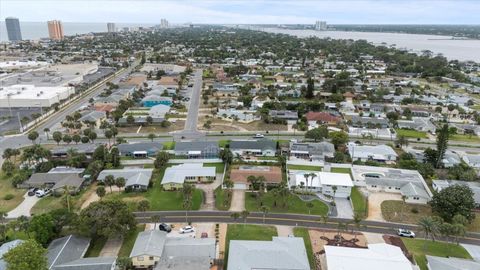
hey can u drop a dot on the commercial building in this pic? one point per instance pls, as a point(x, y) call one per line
point(28, 96)
point(55, 30)
point(13, 29)
point(111, 28)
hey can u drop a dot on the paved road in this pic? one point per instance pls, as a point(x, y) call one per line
point(285, 219)
point(190, 131)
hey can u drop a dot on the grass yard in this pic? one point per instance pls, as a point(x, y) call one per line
point(397, 211)
point(409, 133)
point(294, 205)
point(129, 241)
point(95, 247)
point(223, 143)
point(248, 232)
point(303, 232)
point(475, 225)
point(419, 248)
point(47, 204)
point(168, 145)
point(219, 167)
point(220, 199)
point(7, 202)
point(304, 168)
point(464, 138)
point(360, 203)
point(341, 170)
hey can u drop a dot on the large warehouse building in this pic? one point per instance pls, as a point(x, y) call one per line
point(27, 96)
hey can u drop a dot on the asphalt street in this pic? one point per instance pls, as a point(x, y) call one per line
point(190, 131)
point(294, 220)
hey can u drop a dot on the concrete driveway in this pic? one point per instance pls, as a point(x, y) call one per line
point(209, 191)
point(375, 200)
point(344, 208)
point(23, 209)
point(238, 201)
point(473, 250)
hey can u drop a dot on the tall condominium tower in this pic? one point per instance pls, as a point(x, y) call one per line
point(13, 29)
point(111, 27)
point(55, 30)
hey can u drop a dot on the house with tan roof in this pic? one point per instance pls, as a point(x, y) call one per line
point(239, 176)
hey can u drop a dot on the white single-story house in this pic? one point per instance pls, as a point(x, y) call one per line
point(323, 182)
point(135, 178)
point(381, 153)
point(408, 183)
point(254, 147)
point(175, 176)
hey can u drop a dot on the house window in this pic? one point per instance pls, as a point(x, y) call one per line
point(397, 188)
point(140, 258)
point(151, 258)
point(374, 186)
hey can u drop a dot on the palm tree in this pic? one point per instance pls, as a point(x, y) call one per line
point(100, 192)
point(309, 206)
point(306, 175)
point(235, 216)
point(47, 130)
point(67, 191)
point(120, 182)
point(429, 227)
point(109, 181)
point(24, 224)
point(3, 215)
point(334, 188)
point(357, 219)
point(264, 210)
point(244, 214)
point(312, 175)
point(155, 219)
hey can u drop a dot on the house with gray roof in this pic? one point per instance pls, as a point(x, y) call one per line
point(311, 151)
point(135, 179)
point(381, 153)
point(85, 148)
point(197, 149)
point(154, 249)
point(472, 160)
point(282, 253)
point(408, 183)
point(451, 263)
point(438, 185)
point(284, 115)
point(139, 150)
point(93, 263)
point(95, 117)
point(263, 147)
point(418, 123)
point(369, 122)
point(4, 249)
point(56, 178)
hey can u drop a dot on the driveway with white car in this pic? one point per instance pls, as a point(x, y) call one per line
point(23, 209)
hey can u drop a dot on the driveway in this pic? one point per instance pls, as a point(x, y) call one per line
point(344, 208)
point(23, 209)
point(209, 191)
point(473, 250)
point(375, 200)
point(111, 247)
point(284, 231)
point(238, 201)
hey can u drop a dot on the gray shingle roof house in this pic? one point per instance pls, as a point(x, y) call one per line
point(197, 149)
point(312, 151)
point(358, 121)
point(438, 185)
point(149, 148)
point(383, 153)
point(282, 253)
point(284, 114)
point(62, 151)
point(136, 179)
point(4, 249)
point(254, 147)
point(440, 263)
point(93, 116)
point(67, 253)
point(175, 253)
point(57, 178)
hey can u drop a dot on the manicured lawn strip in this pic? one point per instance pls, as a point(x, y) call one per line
point(303, 232)
point(359, 202)
point(7, 188)
point(247, 232)
point(168, 145)
point(129, 241)
point(397, 211)
point(219, 199)
point(304, 168)
point(411, 133)
point(464, 138)
point(341, 170)
point(47, 204)
point(223, 143)
point(218, 166)
point(95, 247)
point(419, 248)
point(294, 204)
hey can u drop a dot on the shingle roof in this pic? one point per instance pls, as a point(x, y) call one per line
point(196, 146)
point(150, 243)
point(440, 263)
point(254, 144)
point(66, 249)
point(141, 146)
point(178, 173)
point(132, 176)
point(4, 249)
point(93, 263)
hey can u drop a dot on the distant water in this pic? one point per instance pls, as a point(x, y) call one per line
point(462, 50)
point(37, 30)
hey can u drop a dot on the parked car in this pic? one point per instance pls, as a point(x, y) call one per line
point(31, 192)
point(42, 192)
point(259, 136)
point(187, 229)
point(164, 227)
point(405, 233)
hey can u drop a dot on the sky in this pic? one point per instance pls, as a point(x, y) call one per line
point(247, 12)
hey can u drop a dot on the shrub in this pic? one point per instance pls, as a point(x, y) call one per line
point(415, 210)
point(8, 197)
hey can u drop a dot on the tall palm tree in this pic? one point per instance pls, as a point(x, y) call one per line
point(357, 219)
point(67, 191)
point(244, 214)
point(312, 175)
point(235, 216)
point(306, 176)
point(155, 219)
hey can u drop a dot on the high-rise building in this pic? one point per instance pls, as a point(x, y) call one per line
point(13, 29)
point(55, 30)
point(321, 25)
point(164, 23)
point(111, 27)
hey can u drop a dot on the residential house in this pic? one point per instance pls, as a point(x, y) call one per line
point(316, 118)
point(418, 124)
point(57, 179)
point(93, 118)
point(451, 263)
point(153, 249)
point(226, 88)
point(289, 116)
point(312, 151)
point(241, 115)
point(369, 122)
point(136, 179)
point(67, 253)
point(263, 147)
point(322, 182)
point(139, 150)
point(175, 176)
point(152, 100)
point(6, 248)
point(282, 253)
point(408, 183)
point(381, 153)
point(85, 148)
point(239, 176)
point(472, 160)
point(438, 185)
point(197, 149)
point(376, 257)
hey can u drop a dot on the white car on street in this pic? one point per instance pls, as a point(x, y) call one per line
point(405, 233)
point(187, 229)
point(259, 136)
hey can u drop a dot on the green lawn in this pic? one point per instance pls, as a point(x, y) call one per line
point(294, 205)
point(95, 247)
point(129, 241)
point(168, 145)
point(303, 232)
point(7, 188)
point(419, 248)
point(248, 232)
point(397, 211)
point(219, 167)
point(359, 202)
point(464, 138)
point(341, 170)
point(220, 198)
point(409, 133)
point(47, 204)
point(223, 143)
point(305, 168)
